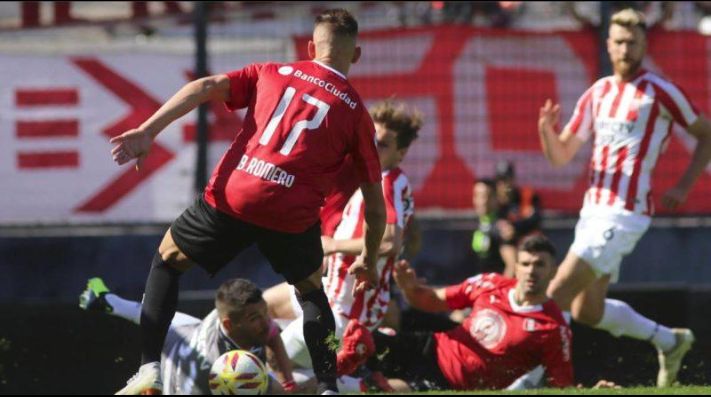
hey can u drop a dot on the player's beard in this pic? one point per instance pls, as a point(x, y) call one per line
point(627, 68)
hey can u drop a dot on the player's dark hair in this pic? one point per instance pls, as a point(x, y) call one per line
point(340, 21)
point(401, 119)
point(233, 295)
point(537, 243)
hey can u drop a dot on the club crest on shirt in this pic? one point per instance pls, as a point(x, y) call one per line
point(488, 327)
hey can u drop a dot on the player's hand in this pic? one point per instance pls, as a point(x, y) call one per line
point(405, 276)
point(548, 116)
point(366, 275)
point(603, 384)
point(674, 197)
point(132, 144)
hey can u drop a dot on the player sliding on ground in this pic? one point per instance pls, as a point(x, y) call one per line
point(513, 327)
point(630, 115)
point(238, 322)
point(303, 119)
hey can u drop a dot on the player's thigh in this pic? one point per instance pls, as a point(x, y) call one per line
point(296, 256)
point(279, 301)
point(589, 305)
point(574, 275)
point(171, 253)
point(208, 237)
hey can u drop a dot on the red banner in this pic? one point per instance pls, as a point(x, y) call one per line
point(480, 91)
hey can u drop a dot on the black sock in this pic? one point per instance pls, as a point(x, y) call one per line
point(319, 334)
point(159, 304)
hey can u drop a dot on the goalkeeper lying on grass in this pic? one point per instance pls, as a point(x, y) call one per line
point(239, 321)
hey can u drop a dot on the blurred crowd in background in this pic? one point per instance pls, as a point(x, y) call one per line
point(562, 15)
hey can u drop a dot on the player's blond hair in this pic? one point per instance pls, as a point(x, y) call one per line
point(400, 118)
point(629, 18)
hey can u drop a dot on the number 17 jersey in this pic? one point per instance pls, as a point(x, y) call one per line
point(302, 120)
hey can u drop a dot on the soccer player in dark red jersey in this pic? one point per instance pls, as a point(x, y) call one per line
point(512, 328)
point(302, 120)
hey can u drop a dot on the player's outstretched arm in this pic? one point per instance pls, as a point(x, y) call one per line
point(701, 130)
point(279, 361)
point(558, 149)
point(136, 143)
point(419, 295)
point(365, 267)
point(390, 244)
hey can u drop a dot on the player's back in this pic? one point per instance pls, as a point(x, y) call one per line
point(302, 120)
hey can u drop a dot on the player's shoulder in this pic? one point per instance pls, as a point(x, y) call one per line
point(490, 281)
point(660, 81)
point(553, 312)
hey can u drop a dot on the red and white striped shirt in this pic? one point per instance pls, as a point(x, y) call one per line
point(368, 307)
point(632, 122)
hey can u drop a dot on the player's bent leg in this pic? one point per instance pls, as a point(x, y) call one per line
point(319, 330)
point(619, 319)
point(278, 300)
point(589, 305)
point(574, 275)
point(157, 311)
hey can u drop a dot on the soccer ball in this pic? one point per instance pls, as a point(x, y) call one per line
point(238, 372)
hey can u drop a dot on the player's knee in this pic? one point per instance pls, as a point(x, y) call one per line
point(309, 284)
point(171, 255)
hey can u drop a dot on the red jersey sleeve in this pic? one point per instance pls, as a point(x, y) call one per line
point(243, 83)
point(365, 155)
point(460, 296)
point(557, 358)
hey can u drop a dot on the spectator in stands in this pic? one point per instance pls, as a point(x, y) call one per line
point(496, 14)
point(485, 239)
point(665, 12)
point(518, 213)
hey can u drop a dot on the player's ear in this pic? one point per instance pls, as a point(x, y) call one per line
point(356, 54)
point(312, 49)
point(226, 323)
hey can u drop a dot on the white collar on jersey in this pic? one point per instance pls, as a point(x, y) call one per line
point(522, 309)
point(343, 76)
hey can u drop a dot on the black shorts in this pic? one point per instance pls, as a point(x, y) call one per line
point(212, 238)
point(410, 356)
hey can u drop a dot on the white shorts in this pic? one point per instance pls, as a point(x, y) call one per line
point(602, 242)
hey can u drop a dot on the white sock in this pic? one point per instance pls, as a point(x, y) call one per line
point(126, 309)
point(620, 319)
point(131, 311)
point(530, 380)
